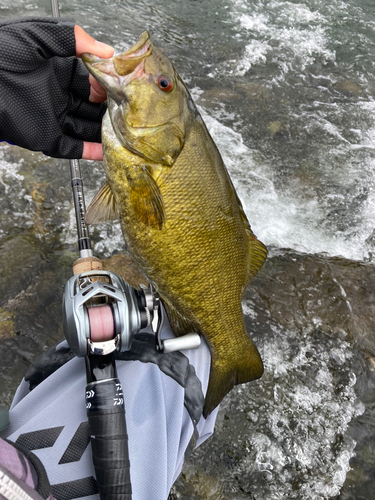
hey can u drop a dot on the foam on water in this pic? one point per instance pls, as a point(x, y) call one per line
point(288, 34)
point(299, 414)
point(16, 206)
point(287, 219)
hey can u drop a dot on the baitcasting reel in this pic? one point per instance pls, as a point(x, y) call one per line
point(102, 313)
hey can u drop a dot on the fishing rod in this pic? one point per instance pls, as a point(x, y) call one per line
point(96, 324)
point(101, 314)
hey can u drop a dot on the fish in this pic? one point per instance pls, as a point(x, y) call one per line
point(180, 215)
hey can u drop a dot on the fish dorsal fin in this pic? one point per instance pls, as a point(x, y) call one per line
point(257, 255)
point(103, 207)
point(146, 198)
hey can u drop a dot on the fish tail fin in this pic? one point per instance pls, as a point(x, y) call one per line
point(247, 365)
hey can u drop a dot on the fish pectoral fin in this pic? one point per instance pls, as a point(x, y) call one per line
point(243, 366)
point(146, 198)
point(103, 207)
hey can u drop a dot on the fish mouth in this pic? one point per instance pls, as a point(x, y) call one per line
point(128, 64)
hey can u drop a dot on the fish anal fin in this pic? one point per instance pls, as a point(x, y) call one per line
point(146, 198)
point(103, 207)
point(244, 367)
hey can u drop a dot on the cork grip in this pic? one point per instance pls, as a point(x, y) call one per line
point(87, 264)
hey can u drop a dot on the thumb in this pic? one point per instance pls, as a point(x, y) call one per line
point(86, 43)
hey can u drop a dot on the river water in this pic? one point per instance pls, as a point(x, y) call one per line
point(287, 90)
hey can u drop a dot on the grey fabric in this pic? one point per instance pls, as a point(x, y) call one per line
point(160, 429)
point(175, 365)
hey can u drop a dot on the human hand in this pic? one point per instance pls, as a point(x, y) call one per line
point(47, 101)
point(85, 43)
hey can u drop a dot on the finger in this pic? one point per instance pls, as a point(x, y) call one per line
point(97, 92)
point(86, 43)
point(86, 130)
point(92, 151)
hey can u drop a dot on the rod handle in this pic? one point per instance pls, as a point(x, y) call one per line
point(86, 264)
point(109, 439)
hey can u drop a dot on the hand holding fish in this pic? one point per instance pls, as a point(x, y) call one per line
point(86, 43)
point(48, 101)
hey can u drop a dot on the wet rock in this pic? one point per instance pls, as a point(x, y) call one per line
point(252, 95)
point(31, 288)
point(216, 95)
point(334, 295)
point(6, 323)
point(253, 91)
point(291, 434)
point(348, 88)
point(275, 127)
point(199, 485)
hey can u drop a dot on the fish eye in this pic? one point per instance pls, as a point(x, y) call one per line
point(165, 83)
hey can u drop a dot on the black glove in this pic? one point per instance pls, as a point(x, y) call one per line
point(44, 89)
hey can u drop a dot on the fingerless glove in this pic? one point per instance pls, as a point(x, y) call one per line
point(44, 88)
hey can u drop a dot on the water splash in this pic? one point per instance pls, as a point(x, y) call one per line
point(285, 436)
point(287, 34)
point(287, 218)
point(307, 400)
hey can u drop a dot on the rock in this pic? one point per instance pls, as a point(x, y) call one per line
point(335, 295)
point(348, 88)
point(199, 485)
point(275, 127)
point(253, 91)
point(312, 318)
point(216, 95)
point(31, 288)
point(6, 323)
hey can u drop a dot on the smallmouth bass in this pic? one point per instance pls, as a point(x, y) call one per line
point(180, 215)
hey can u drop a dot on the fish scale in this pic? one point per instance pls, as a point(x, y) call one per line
point(180, 215)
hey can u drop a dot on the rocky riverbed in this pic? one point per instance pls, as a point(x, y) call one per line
point(304, 431)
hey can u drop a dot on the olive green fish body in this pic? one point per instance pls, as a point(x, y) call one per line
point(185, 227)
